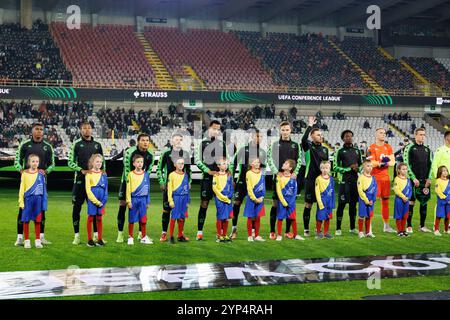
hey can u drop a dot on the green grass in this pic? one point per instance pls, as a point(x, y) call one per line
point(57, 169)
point(62, 254)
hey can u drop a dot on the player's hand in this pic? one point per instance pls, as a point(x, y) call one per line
point(293, 176)
point(42, 171)
point(84, 172)
point(312, 121)
point(162, 187)
point(260, 200)
point(130, 206)
point(234, 185)
point(370, 203)
point(172, 205)
point(212, 173)
point(405, 200)
point(190, 186)
point(354, 167)
point(427, 183)
point(100, 205)
point(416, 182)
point(23, 206)
point(321, 207)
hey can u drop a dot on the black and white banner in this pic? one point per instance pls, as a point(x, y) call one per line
point(76, 281)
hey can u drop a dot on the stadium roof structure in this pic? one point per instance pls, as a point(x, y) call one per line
point(335, 12)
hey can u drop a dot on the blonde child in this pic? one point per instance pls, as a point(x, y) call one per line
point(254, 205)
point(367, 192)
point(223, 189)
point(32, 199)
point(443, 200)
point(97, 193)
point(178, 187)
point(403, 192)
point(325, 200)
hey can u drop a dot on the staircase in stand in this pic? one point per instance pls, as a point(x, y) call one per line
point(163, 78)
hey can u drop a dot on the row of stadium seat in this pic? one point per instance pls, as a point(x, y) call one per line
point(302, 61)
point(432, 70)
point(217, 57)
point(106, 53)
point(112, 55)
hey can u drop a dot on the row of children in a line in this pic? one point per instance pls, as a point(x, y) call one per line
point(33, 199)
point(286, 188)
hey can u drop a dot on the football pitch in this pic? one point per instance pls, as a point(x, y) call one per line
point(62, 254)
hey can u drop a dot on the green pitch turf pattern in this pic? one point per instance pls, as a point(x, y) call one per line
point(57, 169)
point(62, 254)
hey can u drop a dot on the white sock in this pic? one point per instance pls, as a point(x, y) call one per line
point(386, 225)
point(20, 237)
point(253, 230)
point(96, 234)
point(234, 228)
point(164, 232)
point(199, 232)
point(42, 236)
point(120, 232)
point(77, 235)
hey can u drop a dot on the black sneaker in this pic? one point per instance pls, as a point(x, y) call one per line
point(172, 240)
point(399, 234)
point(100, 243)
point(91, 243)
point(182, 239)
point(405, 234)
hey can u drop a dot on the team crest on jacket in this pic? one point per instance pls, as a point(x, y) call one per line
point(292, 146)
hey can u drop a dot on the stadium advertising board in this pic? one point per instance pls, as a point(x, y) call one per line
point(70, 93)
point(76, 281)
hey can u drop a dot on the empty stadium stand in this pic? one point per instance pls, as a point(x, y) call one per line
point(219, 59)
point(103, 56)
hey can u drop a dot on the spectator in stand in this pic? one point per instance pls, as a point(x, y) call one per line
point(413, 127)
point(389, 133)
point(293, 112)
point(366, 125)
